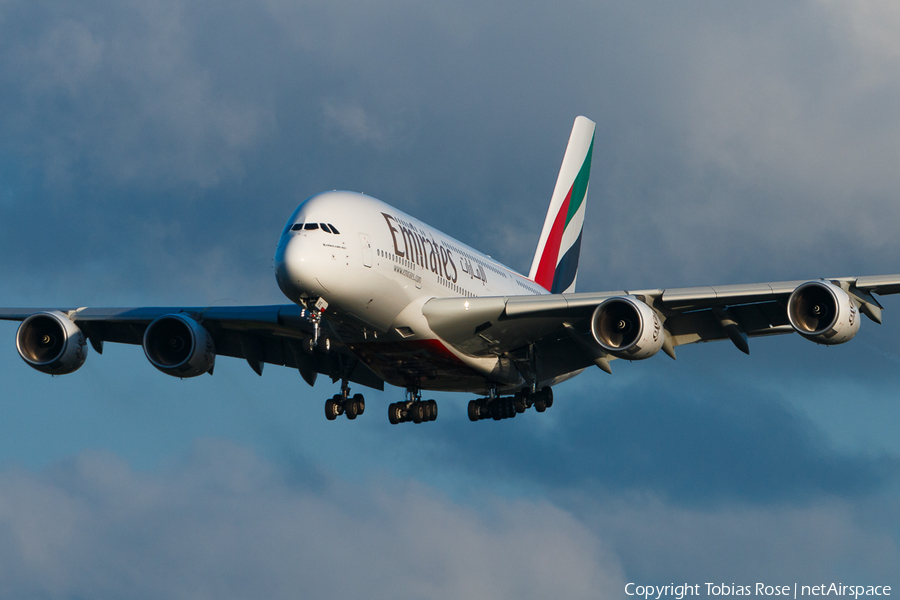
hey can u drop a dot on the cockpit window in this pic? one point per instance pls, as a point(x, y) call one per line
point(326, 227)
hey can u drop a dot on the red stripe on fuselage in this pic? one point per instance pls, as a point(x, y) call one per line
point(547, 267)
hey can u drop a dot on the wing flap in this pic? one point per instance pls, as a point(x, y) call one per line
point(752, 320)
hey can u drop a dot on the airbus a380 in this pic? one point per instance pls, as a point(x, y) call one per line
point(381, 297)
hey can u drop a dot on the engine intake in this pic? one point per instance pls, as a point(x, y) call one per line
point(51, 343)
point(627, 328)
point(179, 346)
point(823, 312)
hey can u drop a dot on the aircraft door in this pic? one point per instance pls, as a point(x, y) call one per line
point(366, 249)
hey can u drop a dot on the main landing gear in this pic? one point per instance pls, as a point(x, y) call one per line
point(509, 406)
point(413, 409)
point(344, 404)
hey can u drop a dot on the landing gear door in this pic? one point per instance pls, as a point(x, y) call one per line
point(366, 249)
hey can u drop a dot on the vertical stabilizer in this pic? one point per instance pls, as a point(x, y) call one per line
point(555, 262)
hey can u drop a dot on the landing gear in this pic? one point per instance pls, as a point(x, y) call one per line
point(317, 341)
point(413, 409)
point(344, 404)
point(507, 407)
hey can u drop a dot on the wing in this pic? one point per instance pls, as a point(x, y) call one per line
point(277, 334)
point(564, 328)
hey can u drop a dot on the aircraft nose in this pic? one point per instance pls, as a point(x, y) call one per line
point(294, 270)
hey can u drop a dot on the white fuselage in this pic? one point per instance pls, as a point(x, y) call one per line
point(376, 267)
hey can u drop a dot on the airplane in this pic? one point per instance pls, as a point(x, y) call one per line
point(379, 297)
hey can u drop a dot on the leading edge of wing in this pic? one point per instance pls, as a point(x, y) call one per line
point(236, 314)
point(683, 299)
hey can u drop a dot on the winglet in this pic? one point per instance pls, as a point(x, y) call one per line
point(555, 263)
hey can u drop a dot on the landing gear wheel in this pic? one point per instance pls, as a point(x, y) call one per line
point(434, 409)
point(519, 403)
point(474, 410)
point(418, 412)
point(547, 396)
point(539, 403)
point(510, 405)
point(395, 413)
point(352, 409)
point(309, 345)
point(332, 408)
point(324, 344)
point(360, 403)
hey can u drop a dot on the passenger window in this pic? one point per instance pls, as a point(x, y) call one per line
point(297, 227)
point(334, 229)
point(311, 226)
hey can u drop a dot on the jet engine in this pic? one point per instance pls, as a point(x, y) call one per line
point(51, 343)
point(823, 312)
point(179, 346)
point(627, 328)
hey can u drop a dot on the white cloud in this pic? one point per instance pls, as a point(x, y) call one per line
point(853, 540)
point(226, 524)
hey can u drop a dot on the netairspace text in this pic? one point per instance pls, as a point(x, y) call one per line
point(679, 592)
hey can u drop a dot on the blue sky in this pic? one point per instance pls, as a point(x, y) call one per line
point(150, 153)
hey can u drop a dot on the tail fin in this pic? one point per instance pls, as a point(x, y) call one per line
point(555, 262)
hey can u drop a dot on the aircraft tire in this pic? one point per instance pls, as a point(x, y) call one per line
point(360, 403)
point(332, 409)
point(510, 408)
point(474, 410)
point(539, 403)
point(547, 395)
point(418, 412)
point(519, 402)
point(394, 413)
point(434, 409)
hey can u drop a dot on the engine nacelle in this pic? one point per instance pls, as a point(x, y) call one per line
point(51, 343)
point(823, 312)
point(179, 346)
point(627, 328)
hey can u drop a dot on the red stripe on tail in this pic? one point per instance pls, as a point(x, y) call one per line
point(547, 267)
